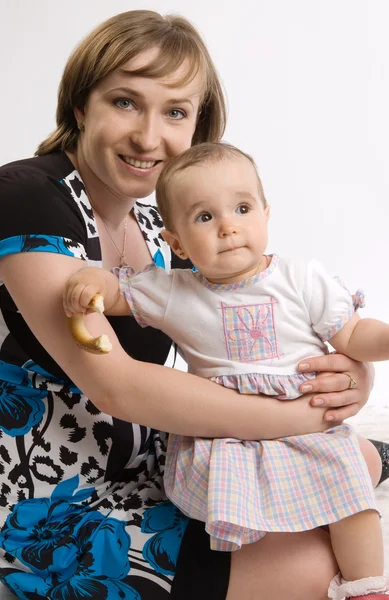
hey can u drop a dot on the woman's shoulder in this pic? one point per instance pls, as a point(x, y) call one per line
point(42, 182)
point(41, 196)
point(38, 168)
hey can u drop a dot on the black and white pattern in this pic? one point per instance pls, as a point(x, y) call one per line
point(74, 481)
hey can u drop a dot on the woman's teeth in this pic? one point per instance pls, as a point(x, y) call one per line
point(139, 164)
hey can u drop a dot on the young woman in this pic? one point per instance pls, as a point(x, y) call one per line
point(82, 505)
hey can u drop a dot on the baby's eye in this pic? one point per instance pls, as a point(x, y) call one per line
point(204, 217)
point(124, 103)
point(243, 209)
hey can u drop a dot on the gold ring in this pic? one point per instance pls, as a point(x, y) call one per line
point(353, 384)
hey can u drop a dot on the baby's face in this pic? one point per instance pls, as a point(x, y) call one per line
point(219, 218)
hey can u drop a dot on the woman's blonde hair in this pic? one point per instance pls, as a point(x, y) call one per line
point(120, 39)
point(200, 154)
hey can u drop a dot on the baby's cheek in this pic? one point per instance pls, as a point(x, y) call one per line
point(204, 256)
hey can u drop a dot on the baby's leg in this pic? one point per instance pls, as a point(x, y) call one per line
point(358, 546)
point(357, 540)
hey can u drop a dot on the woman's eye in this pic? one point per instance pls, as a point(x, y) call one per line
point(204, 218)
point(124, 103)
point(176, 114)
point(243, 209)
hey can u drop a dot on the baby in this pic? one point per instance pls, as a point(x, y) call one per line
point(245, 319)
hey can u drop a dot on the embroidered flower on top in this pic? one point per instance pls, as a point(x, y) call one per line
point(250, 332)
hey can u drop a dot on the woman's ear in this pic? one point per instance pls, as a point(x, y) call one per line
point(79, 116)
point(174, 242)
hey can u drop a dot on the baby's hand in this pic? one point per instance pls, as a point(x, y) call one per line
point(81, 288)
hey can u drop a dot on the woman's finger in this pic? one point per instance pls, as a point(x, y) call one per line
point(336, 382)
point(328, 362)
point(335, 399)
point(344, 412)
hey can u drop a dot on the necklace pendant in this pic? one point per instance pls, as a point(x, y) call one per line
point(123, 261)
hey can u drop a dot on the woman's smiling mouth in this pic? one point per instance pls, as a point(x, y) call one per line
point(140, 168)
point(139, 164)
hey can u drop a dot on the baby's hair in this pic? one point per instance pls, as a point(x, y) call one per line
point(207, 152)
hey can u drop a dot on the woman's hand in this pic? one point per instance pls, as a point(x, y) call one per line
point(331, 387)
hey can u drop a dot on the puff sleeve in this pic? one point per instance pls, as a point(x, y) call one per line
point(147, 293)
point(329, 303)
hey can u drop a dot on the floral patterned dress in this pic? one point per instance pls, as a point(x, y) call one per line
point(83, 512)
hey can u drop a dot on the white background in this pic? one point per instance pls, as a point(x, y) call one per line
point(307, 83)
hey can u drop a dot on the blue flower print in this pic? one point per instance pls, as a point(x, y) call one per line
point(25, 586)
point(33, 367)
point(40, 533)
point(41, 243)
point(21, 406)
point(162, 549)
point(100, 564)
point(76, 551)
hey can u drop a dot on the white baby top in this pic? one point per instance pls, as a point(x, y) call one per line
point(263, 325)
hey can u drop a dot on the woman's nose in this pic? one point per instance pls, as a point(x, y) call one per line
point(145, 135)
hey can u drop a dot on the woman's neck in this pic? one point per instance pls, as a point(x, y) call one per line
point(108, 205)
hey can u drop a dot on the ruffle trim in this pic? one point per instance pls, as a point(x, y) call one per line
point(283, 387)
point(125, 274)
point(359, 299)
point(340, 588)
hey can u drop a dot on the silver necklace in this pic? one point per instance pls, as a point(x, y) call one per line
point(121, 254)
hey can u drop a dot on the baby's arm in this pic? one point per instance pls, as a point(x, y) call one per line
point(363, 339)
point(86, 283)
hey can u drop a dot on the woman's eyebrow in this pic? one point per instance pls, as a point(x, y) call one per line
point(179, 101)
point(127, 90)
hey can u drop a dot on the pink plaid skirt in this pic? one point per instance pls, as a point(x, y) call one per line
point(244, 489)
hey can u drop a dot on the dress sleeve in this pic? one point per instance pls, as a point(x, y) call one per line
point(330, 304)
point(147, 293)
point(38, 214)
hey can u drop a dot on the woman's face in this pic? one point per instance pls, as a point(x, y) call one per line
point(133, 125)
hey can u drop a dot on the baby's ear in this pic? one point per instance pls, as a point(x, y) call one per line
point(174, 242)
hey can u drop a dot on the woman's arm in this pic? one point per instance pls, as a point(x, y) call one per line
point(143, 393)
